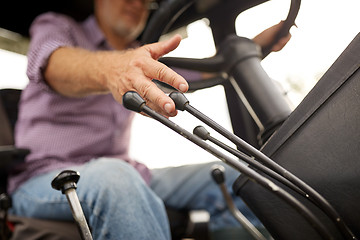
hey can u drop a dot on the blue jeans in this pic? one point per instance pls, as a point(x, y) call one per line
point(192, 187)
point(119, 205)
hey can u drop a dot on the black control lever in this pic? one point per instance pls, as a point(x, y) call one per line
point(201, 132)
point(5, 204)
point(66, 183)
point(218, 175)
point(182, 103)
point(134, 102)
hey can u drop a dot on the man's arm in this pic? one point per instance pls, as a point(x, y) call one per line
point(77, 72)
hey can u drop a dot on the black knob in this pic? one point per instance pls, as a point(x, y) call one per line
point(65, 180)
point(217, 173)
point(5, 202)
point(179, 99)
point(133, 101)
point(201, 132)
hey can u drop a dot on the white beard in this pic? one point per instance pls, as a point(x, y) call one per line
point(128, 32)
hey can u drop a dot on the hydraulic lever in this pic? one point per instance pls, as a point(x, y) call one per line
point(182, 104)
point(66, 183)
point(133, 101)
point(218, 175)
point(5, 204)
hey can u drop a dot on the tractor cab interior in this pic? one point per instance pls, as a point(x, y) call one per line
point(307, 157)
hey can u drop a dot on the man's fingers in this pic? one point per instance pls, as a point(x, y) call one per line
point(159, 71)
point(145, 67)
point(156, 70)
point(159, 49)
point(155, 98)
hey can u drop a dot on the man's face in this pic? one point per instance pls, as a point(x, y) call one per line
point(125, 18)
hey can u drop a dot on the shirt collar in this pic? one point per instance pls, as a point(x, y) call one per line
point(94, 32)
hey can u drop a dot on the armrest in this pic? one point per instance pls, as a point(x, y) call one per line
point(9, 155)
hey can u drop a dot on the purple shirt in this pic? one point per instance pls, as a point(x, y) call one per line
point(61, 131)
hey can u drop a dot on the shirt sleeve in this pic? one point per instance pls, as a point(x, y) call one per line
point(48, 32)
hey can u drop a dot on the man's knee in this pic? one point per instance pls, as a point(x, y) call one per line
point(109, 173)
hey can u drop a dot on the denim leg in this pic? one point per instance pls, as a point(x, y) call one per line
point(192, 187)
point(116, 201)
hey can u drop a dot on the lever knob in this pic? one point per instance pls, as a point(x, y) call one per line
point(179, 99)
point(65, 180)
point(133, 101)
point(217, 173)
point(5, 202)
point(201, 132)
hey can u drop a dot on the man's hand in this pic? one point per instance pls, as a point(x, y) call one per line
point(266, 37)
point(134, 70)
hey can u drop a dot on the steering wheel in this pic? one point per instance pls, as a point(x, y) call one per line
point(173, 14)
point(237, 60)
point(182, 12)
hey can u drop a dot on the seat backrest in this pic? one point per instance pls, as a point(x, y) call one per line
point(6, 136)
point(9, 100)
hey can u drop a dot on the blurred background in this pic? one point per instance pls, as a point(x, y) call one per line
point(324, 29)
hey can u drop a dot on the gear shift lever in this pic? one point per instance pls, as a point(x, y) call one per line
point(217, 173)
point(66, 182)
point(5, 204)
